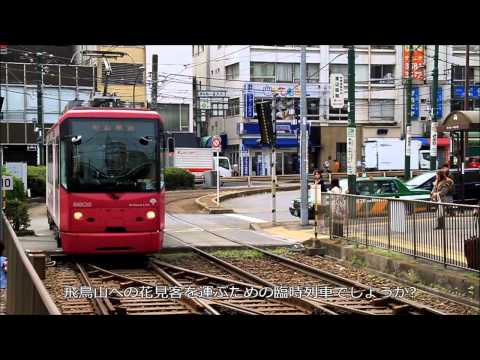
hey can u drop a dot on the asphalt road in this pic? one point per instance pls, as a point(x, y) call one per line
point(260, 206)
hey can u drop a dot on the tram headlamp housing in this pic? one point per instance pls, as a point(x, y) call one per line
point(77, 215)
point(151, 215)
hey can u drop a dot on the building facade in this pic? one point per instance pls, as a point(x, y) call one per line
point(62, 82)
point(127, 79)
point(261, 71)
point(174, 85)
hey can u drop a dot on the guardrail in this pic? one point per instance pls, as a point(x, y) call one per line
point(296, 177)
point(26, 293)
point(445, 233)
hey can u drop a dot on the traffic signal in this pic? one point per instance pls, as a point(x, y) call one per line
point(264, 114)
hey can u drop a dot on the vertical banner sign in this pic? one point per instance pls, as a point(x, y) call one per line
point(351, 150)
point(433, 139)
point(249, 101)
point(408, 140)
point(415, 102)
point(337, 91)
point(439, 104)
point(418, 62)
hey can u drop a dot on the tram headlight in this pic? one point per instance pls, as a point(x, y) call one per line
point(77, 215)
point(151, 215)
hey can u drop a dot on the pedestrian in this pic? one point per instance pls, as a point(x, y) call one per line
point(3, 279)
point(326, 164)
point(337, 208)
point(318, 180)
point(336, 166)
point(449, 196)
point(443, 185)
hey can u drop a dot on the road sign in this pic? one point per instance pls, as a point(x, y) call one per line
point(337, 91)
point(7, 182)
point(204, 104)
point(212, 93)
point(216, 143)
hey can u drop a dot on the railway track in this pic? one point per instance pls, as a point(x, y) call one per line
point(362, 299)
point(229, 294)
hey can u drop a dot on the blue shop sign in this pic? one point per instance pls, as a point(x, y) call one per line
point(473, 91)
point(415, 102)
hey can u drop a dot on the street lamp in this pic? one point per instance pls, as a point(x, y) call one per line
point(139, 70)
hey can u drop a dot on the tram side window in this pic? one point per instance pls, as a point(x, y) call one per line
point(63, 166)
point(50, 163)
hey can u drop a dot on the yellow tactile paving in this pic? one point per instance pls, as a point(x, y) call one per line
point(303, 235)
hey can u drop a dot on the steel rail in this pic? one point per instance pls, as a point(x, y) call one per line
point(220, 279)
point(195, 305)
point(309, 270)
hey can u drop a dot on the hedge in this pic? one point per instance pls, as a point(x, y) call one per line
point(36, 180)
point(16, 207)
point(176, 178)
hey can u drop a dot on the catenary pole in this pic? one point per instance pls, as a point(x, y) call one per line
point(303, 139)
point(408, 110)
point(433, 128)
point(351, 130)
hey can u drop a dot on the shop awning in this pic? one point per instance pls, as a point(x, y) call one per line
point(281, 142)
point(461, 121)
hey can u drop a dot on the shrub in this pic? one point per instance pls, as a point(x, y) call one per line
point(176, 178)
point(16, 211)
point(36, 179)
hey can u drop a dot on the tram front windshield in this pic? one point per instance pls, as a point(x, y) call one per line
point(118, 155)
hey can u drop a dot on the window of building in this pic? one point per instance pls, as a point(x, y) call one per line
point(125, 73)
point(383, 109)
point(458, 73)
point(284, 72)
point(176, 116)
point(232, 72)
point(382, 74)
point(361, 73)
point(339, 69)
point(313, 73)
point(262, 72)
point(313, 109)
point(234, 106)
point(384, 47)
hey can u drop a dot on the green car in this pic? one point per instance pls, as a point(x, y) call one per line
point(367, 186)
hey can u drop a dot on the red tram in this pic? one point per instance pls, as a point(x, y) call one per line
point(105, 188)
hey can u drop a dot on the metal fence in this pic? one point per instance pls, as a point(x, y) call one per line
point(26, 293)
point(440, 232)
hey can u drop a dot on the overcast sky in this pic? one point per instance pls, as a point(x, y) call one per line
point(174, 66)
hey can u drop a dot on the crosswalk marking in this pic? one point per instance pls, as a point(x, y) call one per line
point(246, 218)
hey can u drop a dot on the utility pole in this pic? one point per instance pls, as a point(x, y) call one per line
point(41, 124)
point(463, 134)
point(433, 125)
point(467, 67)
point(408, 134)
point(274, 160)
point(195, 109)
point(154, 81)
point(351, 129)
point(303, 138)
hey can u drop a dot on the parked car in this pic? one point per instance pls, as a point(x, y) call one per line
point(474, 162)
point(471, 182)
point(377, 186)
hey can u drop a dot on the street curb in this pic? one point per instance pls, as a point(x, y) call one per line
point(234, 194)
point(406, 270)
